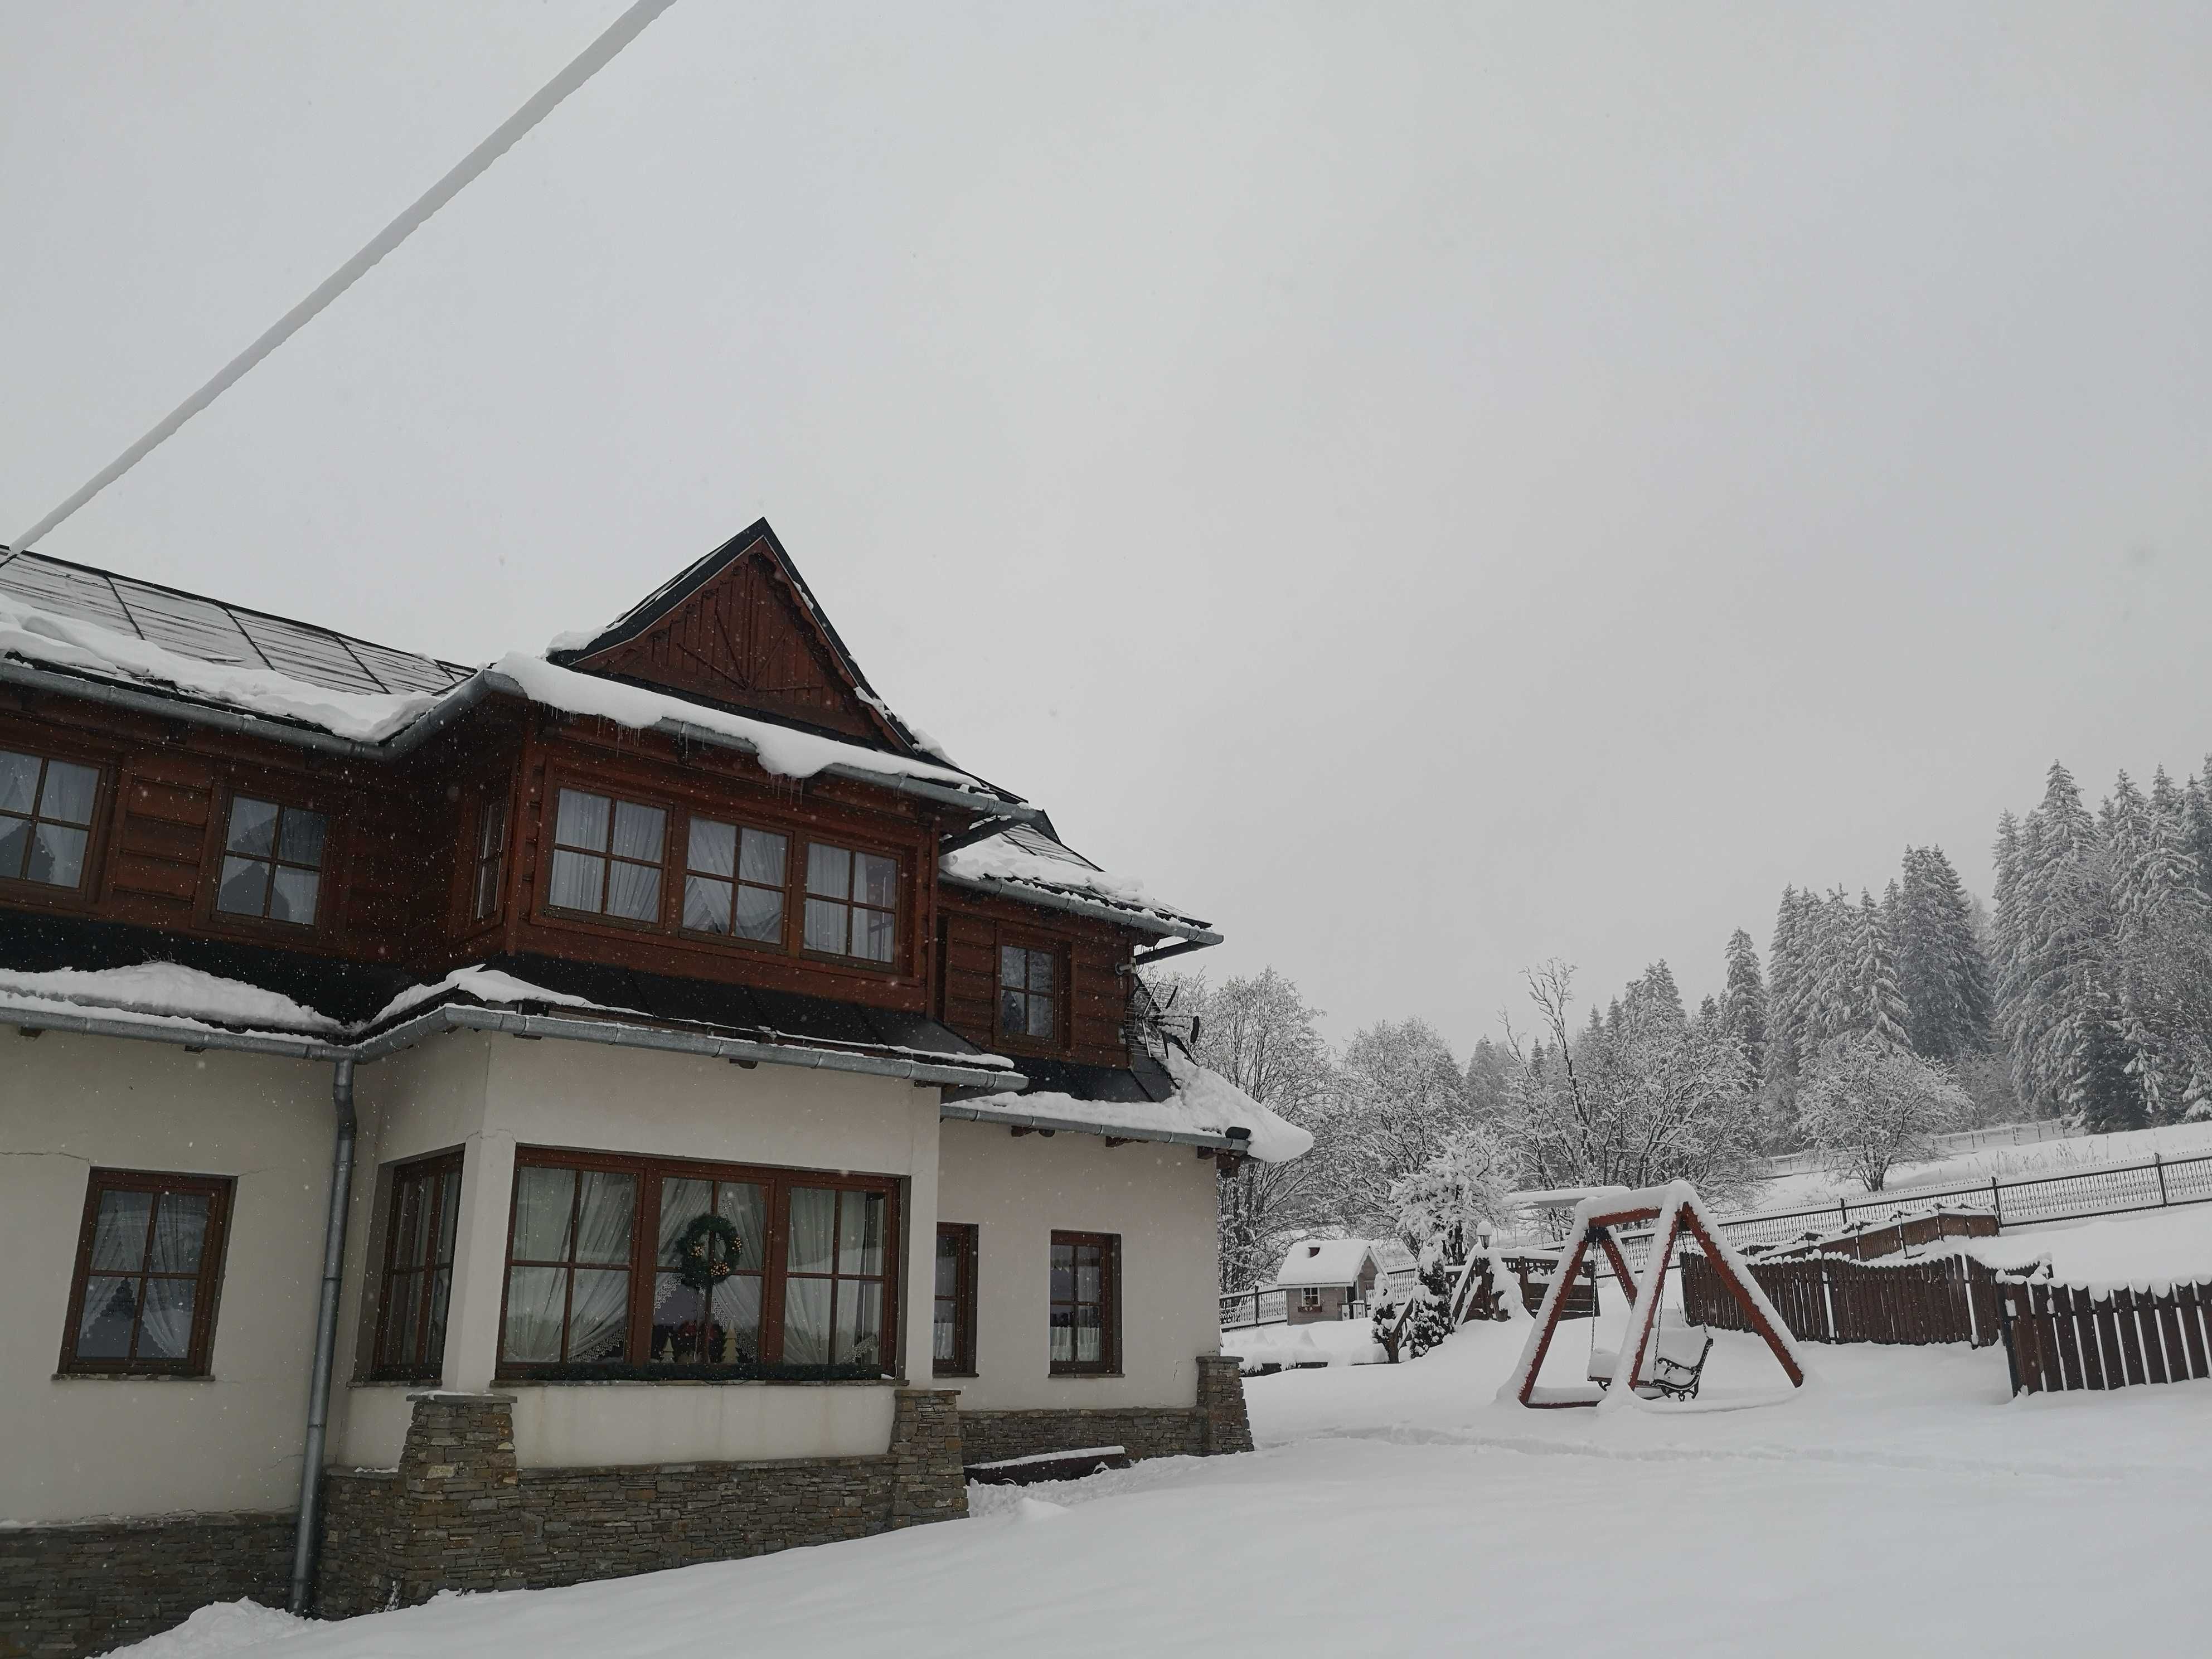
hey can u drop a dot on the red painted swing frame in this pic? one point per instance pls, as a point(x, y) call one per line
point(1677, 1214)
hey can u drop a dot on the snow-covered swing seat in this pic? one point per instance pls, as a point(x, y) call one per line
point(1657, 1360)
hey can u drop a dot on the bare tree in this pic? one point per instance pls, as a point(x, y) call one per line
point(1869, 1106)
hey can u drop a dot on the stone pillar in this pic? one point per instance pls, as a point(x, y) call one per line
point(1222, 1426)
point(927, 1480)
point(456, 1519)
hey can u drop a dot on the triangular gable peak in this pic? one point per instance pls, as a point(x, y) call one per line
point(741, 628)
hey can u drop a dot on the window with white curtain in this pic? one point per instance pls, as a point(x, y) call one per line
point(650, 1267)
point(149, 1258)
point(607, 856)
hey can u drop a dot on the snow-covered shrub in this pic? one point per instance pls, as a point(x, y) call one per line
point(1867, 1106)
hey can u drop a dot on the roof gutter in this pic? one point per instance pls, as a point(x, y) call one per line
point(456, 1016)
point(1015, 1117)
point(1052, 899)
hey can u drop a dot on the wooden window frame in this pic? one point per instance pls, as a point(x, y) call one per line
point(969, 1239)
point(492, 814)
point(219, 1191)
point(1062, 959)
point(805, 895)
point(643, 1263)
point(22, 886)
point(1309, 1298)
point(1109, 1363)
point(430, 1172)
point(780, 945)
point(327, 874)
point(609, 858)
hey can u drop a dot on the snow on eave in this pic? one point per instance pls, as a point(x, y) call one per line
point(1203, 1109)
point(999, 864)
point(48, 638)
point(166, 991)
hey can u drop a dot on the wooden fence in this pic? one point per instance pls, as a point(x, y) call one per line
point(2060, 1337)
point(1836, 1299)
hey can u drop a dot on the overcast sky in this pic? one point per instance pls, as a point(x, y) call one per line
point(1430, 487)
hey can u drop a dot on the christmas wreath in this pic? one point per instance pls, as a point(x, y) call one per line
point(698, 1265)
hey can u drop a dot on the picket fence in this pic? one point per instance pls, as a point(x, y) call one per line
point(1838, 1298)
point(2059, 1338)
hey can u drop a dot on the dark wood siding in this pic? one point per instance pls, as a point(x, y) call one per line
point(971, 926)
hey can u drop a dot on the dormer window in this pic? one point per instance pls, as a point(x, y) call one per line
point(272, 861)
point(1029, 998)
point(852, 902)
point(607, 856)
point(45, 819)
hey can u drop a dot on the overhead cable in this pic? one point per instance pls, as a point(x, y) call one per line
point(588, 62)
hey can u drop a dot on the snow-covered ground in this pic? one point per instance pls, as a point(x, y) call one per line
point(1901, 1504)
point(2043, 1157)
point(1325, 1342)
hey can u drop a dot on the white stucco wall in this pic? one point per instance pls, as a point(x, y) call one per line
point(77, 1446)
point(1017, 1191)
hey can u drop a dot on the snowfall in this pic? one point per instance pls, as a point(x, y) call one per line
point(1900, 1504)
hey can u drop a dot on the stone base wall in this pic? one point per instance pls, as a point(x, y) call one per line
point(1216, 1424)
point(85, 1587)
point(458, 1514)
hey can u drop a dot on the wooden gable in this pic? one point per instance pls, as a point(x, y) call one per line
point(740, 629)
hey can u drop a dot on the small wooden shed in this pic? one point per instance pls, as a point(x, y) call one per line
point(1328, 1278)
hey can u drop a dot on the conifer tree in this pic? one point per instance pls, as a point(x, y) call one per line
point(1743, 1001)
point(1877, 1009)
point(1940, 971)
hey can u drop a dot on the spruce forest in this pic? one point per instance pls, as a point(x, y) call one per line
point(2083, 990)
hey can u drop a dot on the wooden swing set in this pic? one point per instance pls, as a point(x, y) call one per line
point(1657, 1360)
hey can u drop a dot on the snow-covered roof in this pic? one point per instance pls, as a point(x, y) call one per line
point(1024, 857)
point(1204, 1106)
point(1325, 1262)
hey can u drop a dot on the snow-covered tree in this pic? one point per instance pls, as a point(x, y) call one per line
point(1260, 1035)
point(1743, 1001)
point(1398, 1097)
point(1869, 1105)
point(1942, 973)
point(1488, 1070)
point(1462, 1187)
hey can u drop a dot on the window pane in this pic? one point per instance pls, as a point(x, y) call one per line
point(828, 871)
point(641, 832)
point(603, 1219)
point(434, 1343)
point(745, 1207)
point(304, 834)
point(119, 1233)
point(760, 913)
point(252, 827)
point(714, 847)
point(876, 880)
point(245, 889)
point(860, 1233)
point(491, 832)
point(449, 1215)
point(399, 1320)
point(825, 925)
point(576, 879)
point(110, 1308)
point(1063, 1335)
point(1089, 1346)
point(948, 1265)
point(872, 934)
point(813, 1212)
point(487, 887)
point(1041, 971)
point(19, 781)
point(806, 1321)
point(598, 1315)
point(679, 1316)
point(1086, 1276)
point(292, 897)
point(15, 841)
point(1013, 966)
point(582, 820)
point(179, 1231)
point(1013, 1012)
point(634, 890)
point(706, 904)
point(764, 857)
point(860, 1323)
point(682, 1201)
point(737, 1319)
point(543, 1200)
point(534, 1300)
point(67, 796)
point(165, 1330)
point(57, 856)
point(942, 1333)
point(1040, 1016)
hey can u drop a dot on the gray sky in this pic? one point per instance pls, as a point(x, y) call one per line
point(1432, 488)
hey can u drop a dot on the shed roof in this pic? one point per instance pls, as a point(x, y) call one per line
point(1326, 1262)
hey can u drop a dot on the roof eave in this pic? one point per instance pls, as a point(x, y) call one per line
point(1053, 899)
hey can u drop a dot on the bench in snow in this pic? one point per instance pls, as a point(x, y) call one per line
point(1673, 1364)
point(1049, 1466)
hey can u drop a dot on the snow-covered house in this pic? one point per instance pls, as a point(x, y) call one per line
point(625, 1106)
point(1328, 1278)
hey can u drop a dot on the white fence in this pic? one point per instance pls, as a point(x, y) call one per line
point(1950, 1146)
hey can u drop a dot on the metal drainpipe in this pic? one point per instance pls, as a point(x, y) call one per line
point(326, 1339)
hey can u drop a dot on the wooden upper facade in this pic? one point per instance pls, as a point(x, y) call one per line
point(520, 830)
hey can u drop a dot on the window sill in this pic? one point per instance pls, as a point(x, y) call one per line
point(511, 1383)
point(1085, 1376)
point(393, 1383)
point(130, 1377)
point(957, 1376)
